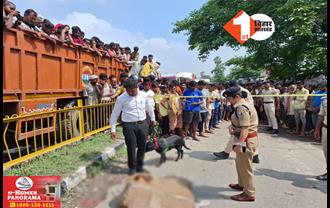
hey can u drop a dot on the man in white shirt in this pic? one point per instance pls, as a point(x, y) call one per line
point(156, 71)
point(269, 106)
point(149, 93)
point(133, 105)
point(29, 21)
point(209, 103)
point(203, 110)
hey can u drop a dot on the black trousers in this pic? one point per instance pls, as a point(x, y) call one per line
point(309, 120)
point(135, 137)
point(201, 123)
point(165, 125)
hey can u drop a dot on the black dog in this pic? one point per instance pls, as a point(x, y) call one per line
point(166, 144)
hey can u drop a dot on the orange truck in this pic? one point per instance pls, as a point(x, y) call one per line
point(39, 75)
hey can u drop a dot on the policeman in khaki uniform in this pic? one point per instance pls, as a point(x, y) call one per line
point(244, 132)
point(322, 124)
point(225, 154)
point(269, 106)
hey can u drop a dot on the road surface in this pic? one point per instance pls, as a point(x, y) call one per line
point(284, 177)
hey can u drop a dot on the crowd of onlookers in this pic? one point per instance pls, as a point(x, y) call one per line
point(205, 107)
point(60, 33)
point(297, 114)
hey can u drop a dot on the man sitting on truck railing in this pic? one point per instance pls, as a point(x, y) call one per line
point(62, 34)
point(47, 30)
point(10, 14)
point(111, 51)
point(27, 23)
point(78, 37)
point(96, 45)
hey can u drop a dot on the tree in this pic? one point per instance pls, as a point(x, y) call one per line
point(204, 76)
point(297, 46)
point(219, 71)
point(242, 67)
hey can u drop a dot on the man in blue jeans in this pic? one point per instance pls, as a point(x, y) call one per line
point(191, 113)
point(203, 110)
point(215, 112)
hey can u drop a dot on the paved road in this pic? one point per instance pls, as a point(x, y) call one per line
point(284, 178)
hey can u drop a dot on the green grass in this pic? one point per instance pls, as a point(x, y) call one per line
point(97, 167)
point(65, 160)
point(120, 153)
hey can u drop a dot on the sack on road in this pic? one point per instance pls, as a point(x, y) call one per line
point(145, 191)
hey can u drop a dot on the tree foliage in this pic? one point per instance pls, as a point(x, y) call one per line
point(219, 71)
point(297, 46)
point(242, 67)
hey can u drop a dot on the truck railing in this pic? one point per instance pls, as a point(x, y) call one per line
point(32, 65)
point(55, 131)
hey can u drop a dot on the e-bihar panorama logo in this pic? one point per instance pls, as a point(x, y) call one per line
point(24, 183)
point(243, 27)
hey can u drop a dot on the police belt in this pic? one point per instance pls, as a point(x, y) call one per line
point(249, 136)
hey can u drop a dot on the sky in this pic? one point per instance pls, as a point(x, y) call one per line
point(147, 24)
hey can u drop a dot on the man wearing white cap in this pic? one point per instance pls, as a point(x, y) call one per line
point(91, 92)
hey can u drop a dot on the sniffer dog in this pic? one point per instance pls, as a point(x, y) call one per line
point(166, 144)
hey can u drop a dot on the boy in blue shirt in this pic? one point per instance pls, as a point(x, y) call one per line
point(191, 112)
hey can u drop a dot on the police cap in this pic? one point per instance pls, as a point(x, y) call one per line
point(233, 83)
point(232, 92)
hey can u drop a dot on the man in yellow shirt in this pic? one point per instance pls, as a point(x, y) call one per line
point(147, 68)
point(299, 106)
point(161, 107)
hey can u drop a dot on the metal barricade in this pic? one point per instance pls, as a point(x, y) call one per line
point(57, 127)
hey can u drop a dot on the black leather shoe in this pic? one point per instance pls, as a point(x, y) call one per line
point(131, 172)
point(322, 177)
point(270, 129)
point(221, 155)
point(275, 131)
point(256, 159)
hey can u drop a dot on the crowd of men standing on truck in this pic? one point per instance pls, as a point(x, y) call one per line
point(59, 33)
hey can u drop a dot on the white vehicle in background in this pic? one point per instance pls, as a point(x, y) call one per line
point(206, 80)
point(180, 77)
point(169, 77)
point(187, 76)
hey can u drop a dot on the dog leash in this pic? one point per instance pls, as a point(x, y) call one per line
point(155, 133)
